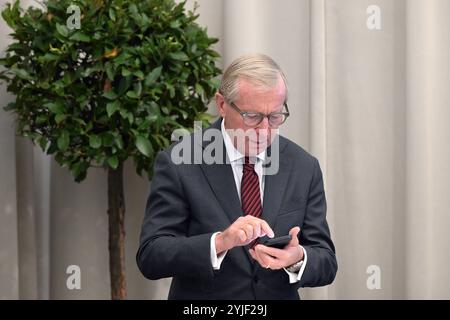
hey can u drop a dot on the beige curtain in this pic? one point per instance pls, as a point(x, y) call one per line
point(372, 105)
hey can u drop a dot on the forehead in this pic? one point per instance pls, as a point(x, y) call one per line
point(248, 90)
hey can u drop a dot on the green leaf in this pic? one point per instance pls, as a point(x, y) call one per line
point(133, 9)
point(171, 90)
point(60, 118)
point(199, 89)
point(79, 36)
point(139, 74)
point(161, 140)
point(127, 115)
point(55, 107)
point(175, 24)
point(79, 170)
point(125, 72)
point(43, 143)
point(153, 76)
point(109, 71)
point(124, 84)
point(184, 114)
point(95, 141)
point(11, 14)
point(62, 30)
point(113, 162)
point(40, 119)
point(130, 118)
point(144, 146)
point(21, 73)
point(107, 139)
point(181, 56)
point(111, 95)
point(48, 57)
point(119, 142)
point(132, 95)
point(112, 107)
point(63, 141)
point(138, 88)
point(112, 14)
point(215, 83)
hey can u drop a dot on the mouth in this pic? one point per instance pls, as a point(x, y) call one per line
point(260, 140)
point(258, 144)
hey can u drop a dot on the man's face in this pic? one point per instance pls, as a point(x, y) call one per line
point(250, 140)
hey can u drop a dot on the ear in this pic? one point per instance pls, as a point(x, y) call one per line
point(220, 103)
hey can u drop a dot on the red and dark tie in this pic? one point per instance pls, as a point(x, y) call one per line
point(250, 193)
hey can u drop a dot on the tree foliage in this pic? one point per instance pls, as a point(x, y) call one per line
point(116, 87)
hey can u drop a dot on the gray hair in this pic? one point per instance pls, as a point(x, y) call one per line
point(258, 69)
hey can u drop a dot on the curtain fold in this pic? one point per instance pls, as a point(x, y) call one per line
point(427, 149)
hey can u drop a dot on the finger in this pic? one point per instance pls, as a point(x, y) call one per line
point(267, 229)
point(260, 259)
point(242, 235)
point(255, 256)
point(267, 261)
point(273, 264)
point(249, 231)
point(258, 225)
point(256, 229)
point(294, 233)
point(273, 252)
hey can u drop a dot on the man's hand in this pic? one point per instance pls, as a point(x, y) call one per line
point(274, 258)
point(243, 231)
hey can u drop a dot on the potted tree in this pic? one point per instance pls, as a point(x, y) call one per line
point(100, 81)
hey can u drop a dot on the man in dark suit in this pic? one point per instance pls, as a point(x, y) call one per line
point(203, 218)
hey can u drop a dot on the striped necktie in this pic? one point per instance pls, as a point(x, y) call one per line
point(250, 192)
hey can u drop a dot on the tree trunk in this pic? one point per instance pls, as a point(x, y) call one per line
point(116, 215)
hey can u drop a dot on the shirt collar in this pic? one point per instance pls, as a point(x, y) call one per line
point(232, 152)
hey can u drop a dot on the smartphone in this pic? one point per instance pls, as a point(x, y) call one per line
point(278, 242)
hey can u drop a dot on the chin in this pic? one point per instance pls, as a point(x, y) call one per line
point(255, 149)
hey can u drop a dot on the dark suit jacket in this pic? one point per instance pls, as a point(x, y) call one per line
point(189, 202)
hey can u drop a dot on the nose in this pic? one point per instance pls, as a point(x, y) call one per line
point(264, 123)
point(263, 129)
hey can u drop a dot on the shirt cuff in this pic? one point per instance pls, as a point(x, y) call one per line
point(216, 260)
point(296, 276)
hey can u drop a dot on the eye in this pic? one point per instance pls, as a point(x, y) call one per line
point(253, 116)
point(277, 119)
point(276, 116)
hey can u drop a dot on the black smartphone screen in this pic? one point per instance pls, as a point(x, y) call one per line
point(279, 242)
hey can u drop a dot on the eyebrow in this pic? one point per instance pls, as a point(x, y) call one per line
point(281, 110)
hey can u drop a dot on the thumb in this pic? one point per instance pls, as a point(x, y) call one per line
point(294, 234)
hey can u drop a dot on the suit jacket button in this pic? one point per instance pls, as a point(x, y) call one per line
point(255, 279)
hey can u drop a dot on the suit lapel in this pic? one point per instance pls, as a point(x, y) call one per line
point(221, 180)
point(274, 187)
point(273, 192)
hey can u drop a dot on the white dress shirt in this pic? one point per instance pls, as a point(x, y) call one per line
point(237, 162)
